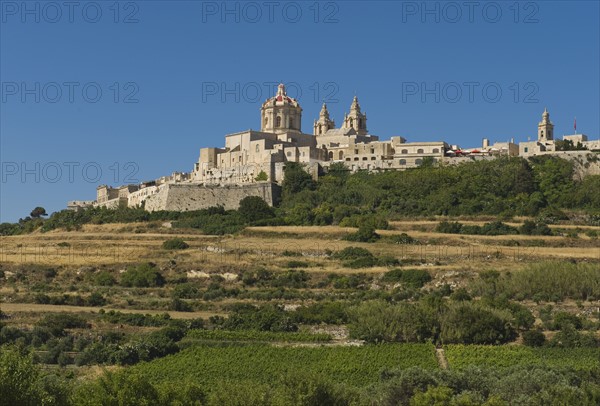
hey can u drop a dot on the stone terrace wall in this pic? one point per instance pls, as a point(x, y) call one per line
point(190, 196)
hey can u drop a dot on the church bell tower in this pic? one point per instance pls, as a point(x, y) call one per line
point(545, 128)
point(324, 123)
point(356, 119)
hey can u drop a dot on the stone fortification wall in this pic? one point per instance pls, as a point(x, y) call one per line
point(196, 196)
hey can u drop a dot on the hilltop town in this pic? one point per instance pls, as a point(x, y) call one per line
point(252, 162)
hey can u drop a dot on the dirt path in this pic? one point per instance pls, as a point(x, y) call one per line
point(441, 358)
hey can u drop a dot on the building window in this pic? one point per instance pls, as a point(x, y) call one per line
point(364, 158)
point(420, 151)
point(257, 148)
point(356, 159)
point(373, 158)
point(372, 150)
point(347, 159)
point(278, 122)
point(402, 162)
point(526, 149)
point(356, 151)
point(436, 151)
point(405, 151)
point(360, 123)
point(330, 154)
point(351, 122)
point(320, 129)
point(266, 121)
point(289, 153)
point(418, 161)
point(291, 122)
point(341, 155)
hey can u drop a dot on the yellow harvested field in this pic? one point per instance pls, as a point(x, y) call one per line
point(106, 244)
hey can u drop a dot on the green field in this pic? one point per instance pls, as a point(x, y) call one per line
point(461, 356)
point(356, 366)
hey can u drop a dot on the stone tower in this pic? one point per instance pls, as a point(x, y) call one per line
point(356, 119)
point(324, 123)
point(281, 113)
point(545, 128)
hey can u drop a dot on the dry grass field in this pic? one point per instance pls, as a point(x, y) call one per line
point(115, 244)
point(79, 255)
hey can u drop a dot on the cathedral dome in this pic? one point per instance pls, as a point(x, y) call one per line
point(281, 98)
point(281, 113)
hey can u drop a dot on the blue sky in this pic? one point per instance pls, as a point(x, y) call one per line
point(176, 76)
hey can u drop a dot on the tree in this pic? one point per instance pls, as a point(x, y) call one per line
point(20, 380)
point(38, 212)
point(427, 162)
point(254, 208)
point(568, 145)
point(378, 321)
point(124, 389)
point(262, 177)
point(534, 338)
point(466, 323)
point(296, 179)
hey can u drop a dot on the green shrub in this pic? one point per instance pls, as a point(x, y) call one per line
point(265, 318)
point(532, 228)
point(467, 323)
point(534, 338)
point(322, 312)
point(56, 323)
point(449, 227)
point(292, 279)
point(403, 239)
point(105, 278)
point(142, 276)
point(460, 295)
point(547, 281)
point(497, 228)
point(254, 208)
point(378, 321)
point(186, 291)
point(365, 233)
point(96, 299)
point(297, 264)
point(175, 244)
point(413, 278)
point(262, 177)
point(395, 275)
point(352, 253)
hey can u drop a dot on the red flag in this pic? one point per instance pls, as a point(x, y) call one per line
point(575, 125)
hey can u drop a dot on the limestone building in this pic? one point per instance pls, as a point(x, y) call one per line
point(252, 163)
point(545, 143)
point(254, 156)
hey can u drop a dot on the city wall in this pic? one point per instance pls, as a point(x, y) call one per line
point(186, 197)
